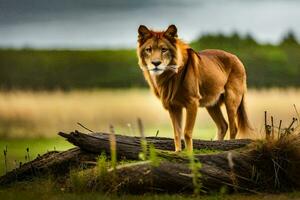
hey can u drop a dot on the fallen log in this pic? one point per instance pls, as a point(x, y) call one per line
point(97, 142)
point(52, 163)
point(172, 177)
point(262, 167)
point(92, 145)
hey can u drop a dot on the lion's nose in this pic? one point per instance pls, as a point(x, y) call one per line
point(156, 63)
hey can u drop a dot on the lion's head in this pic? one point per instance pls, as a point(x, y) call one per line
point(158, 51)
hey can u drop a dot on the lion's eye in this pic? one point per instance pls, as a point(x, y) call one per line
point(164, 50)
point(148, 49)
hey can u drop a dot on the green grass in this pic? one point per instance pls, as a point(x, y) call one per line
point(16, 149)
point(46, 190)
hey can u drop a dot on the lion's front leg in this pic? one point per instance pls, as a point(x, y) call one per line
point(191, 114)
point(176, 117)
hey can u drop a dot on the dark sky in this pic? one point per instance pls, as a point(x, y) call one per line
point(99, 23)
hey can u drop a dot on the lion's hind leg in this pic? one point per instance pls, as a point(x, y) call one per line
point(232, 101)
point(217, 115)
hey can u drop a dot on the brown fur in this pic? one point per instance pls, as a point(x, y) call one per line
point(207, 79)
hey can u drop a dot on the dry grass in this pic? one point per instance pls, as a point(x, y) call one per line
point(30, 114)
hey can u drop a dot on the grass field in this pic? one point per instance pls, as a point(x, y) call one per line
point(43, 114)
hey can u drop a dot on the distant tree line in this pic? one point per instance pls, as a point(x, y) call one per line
point(267, 65)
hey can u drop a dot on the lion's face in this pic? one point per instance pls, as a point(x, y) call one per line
point(157, 50)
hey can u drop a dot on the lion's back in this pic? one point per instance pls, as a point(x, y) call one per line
point(226, 59)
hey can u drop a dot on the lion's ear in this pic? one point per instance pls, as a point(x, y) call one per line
point(143, 31)
point(171, 31)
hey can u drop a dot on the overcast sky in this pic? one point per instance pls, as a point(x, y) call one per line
point(113, 23)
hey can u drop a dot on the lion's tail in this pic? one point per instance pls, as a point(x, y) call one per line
point(245, 128)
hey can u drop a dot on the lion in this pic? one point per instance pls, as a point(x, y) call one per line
point(185, 79)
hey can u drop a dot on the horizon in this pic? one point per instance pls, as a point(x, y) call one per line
point(77, 24)
point(116, 48)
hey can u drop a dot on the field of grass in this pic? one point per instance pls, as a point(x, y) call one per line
point(43, 114)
